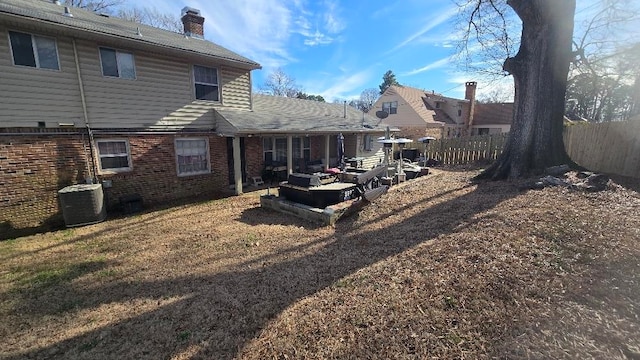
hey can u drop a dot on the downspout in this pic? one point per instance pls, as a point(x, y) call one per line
point(84, 110)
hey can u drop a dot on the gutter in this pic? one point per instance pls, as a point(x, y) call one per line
point(250, 65)
point(84, 111)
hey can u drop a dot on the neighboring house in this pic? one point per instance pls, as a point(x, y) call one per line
point(167, 116)
point(418, 113)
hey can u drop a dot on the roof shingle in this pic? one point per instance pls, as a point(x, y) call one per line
point(88, 21)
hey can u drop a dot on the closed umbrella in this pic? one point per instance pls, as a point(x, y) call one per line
point(341, 151)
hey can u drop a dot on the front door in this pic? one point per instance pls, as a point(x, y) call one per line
point(232, 179)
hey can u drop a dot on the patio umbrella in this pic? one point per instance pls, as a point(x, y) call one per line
point(341, 151)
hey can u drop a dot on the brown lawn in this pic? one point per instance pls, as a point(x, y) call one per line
point(437, 268)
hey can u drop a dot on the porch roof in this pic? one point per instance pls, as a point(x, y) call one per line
point(277, 114)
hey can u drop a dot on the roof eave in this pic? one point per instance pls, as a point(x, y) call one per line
point(238, 63)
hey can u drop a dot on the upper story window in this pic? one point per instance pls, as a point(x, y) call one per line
point(206, 83)
point(390, 107)
point(114, 155)
point(34, 51)
point(116, 63)
point(367, 142)
point(459, 112)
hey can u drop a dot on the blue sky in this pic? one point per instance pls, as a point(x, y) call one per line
point(339, 48)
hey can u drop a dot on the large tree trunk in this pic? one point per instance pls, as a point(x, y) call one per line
point(540, 71)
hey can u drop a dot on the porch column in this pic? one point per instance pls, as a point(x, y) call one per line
point(289, 154)
point(237, 165)
point(327, 143)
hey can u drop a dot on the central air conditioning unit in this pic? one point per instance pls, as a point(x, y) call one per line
point(82, 204)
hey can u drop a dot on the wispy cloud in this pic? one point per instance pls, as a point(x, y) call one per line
point(258, 29)
point(434, 65)
point(432, 23)
point(319, 28)
point(345, 86)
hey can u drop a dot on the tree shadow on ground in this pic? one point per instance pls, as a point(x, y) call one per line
point(221, 313)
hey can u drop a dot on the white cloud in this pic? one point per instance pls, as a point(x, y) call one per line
point(431, 24)
point(345, 86)
point(434, 65)
point(333, 23)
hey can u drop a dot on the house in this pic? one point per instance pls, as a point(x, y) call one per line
point(420, 113)
point(85, 97)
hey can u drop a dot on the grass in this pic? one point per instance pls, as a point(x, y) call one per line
point(437, 268)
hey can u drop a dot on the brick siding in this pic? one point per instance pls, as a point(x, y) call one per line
point(34, 166)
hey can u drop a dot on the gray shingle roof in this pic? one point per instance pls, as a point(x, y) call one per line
point(276, 114)
point(83, 20)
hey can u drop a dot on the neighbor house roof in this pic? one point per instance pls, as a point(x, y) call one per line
point(277, 114)
point(417, 100)
point(87, 21)
point(414, 98)
point(493, 114)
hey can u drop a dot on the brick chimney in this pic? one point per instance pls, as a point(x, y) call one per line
point(470, 94)
point(193, 22)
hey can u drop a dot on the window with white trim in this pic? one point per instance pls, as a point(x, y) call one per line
point(206, 83)
point(114, 155)
point(390, 107)
point(116, 63)
point(34, 51)
point(192, 156)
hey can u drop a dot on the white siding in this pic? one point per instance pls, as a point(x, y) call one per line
point(236, 88)
point(161, 97)
point(372, 157)
point(29, 95)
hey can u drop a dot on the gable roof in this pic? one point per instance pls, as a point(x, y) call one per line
point(417, 100)
point(90, 22)
point(278, 114)
point(493, 114)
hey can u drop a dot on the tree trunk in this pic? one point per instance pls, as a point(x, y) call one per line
point(539, 71)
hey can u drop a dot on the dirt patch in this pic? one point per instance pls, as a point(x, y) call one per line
point(437, 268)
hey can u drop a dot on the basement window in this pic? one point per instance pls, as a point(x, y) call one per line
point(192, 156)
point(116, 63)
point(114, 155)
point(34, 51)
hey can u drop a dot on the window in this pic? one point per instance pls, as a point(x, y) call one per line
point(206, 83)
point(34, 51)
point(114, 155)
point(275, 149)
point(116, 63)
point(390, 107)
point(367, 142)
point(192, 156)
point(483, 131)
point(437, 105)
point(267, 147)
point(459, 112)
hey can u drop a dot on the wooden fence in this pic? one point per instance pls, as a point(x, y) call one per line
point(465, 150)
point(612, 147)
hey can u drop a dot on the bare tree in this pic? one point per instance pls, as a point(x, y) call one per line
point(151, 17)
point(607, 62)
point(100, 6)
point(539, 70)
point(278, 83)
point(367, 98)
